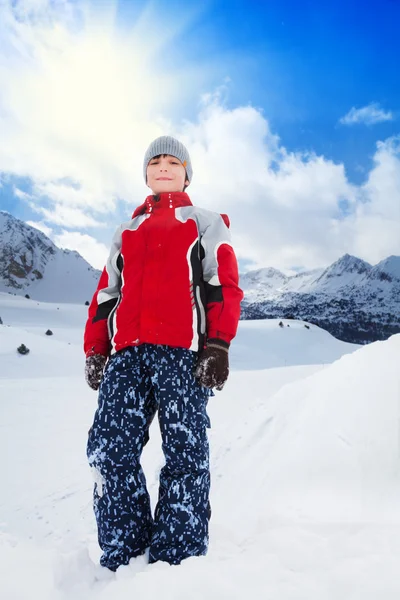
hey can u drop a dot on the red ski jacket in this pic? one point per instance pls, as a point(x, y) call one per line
point(171, 278)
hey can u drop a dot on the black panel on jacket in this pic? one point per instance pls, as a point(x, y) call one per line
point(214, 293)
point(120, 266)
point(198, 283)
point(104, 309)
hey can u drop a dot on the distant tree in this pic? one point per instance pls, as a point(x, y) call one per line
point(1, 321)
point(22, 349)
point(281, 324)
point(87, 303)
point(27, 296)
point(49, 332)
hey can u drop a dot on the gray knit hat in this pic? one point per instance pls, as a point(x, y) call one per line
point(168, 145)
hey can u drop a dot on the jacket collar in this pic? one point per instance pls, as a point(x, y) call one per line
point(162, 201)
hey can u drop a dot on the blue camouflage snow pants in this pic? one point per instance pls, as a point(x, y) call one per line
point(137, 382)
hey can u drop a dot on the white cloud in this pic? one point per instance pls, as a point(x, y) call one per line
point(41, 226)
point(80, 104)
point(80, 100)
point(67, 216)
point(93, 251)
point(376, 220)
point(285, 207)
point(369, 115)
point(21, 194)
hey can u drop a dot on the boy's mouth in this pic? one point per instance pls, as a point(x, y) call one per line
point(164, 179)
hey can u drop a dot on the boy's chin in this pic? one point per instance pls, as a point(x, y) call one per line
point(163, 190)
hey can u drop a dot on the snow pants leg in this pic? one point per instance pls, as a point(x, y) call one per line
point(137, 382)
point(121, 502)
point(182, 513)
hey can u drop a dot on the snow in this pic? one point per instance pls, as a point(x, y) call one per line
point(347, 272)
point(50, 274)
point(263, 344)
point(302, 281)
point(262, 281)
point(348, 275)
point(305, 469)
point(390, 265)
point(68, 278)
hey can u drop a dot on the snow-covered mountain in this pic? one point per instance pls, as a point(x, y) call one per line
point(31, 264)
point(353, 300)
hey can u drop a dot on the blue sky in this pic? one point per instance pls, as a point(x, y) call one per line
point(305, 64)
point(300, 67)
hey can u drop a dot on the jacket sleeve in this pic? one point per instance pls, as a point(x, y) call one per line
point(105, 298)
point(221, 277)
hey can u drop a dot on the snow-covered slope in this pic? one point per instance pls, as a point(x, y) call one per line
point(353, 300)
point(348, 272)
point(390, 266)
point(261, 283)
point(305, 463)
point(302, 281)
point(264, 344)
point(31, 264)
point(258, 345)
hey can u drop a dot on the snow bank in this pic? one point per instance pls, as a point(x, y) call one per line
point(323, 449)
point(263, 344)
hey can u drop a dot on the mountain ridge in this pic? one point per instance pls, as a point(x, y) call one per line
point(355, 301)
point(31, 264)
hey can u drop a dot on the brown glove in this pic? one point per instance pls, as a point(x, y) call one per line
point(213, 366)
point(94, 368)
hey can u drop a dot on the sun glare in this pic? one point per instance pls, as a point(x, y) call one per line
point(90, 80)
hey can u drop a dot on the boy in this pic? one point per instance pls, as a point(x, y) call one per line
point(165, 311)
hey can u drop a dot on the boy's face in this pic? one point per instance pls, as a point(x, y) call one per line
point(166, 173)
